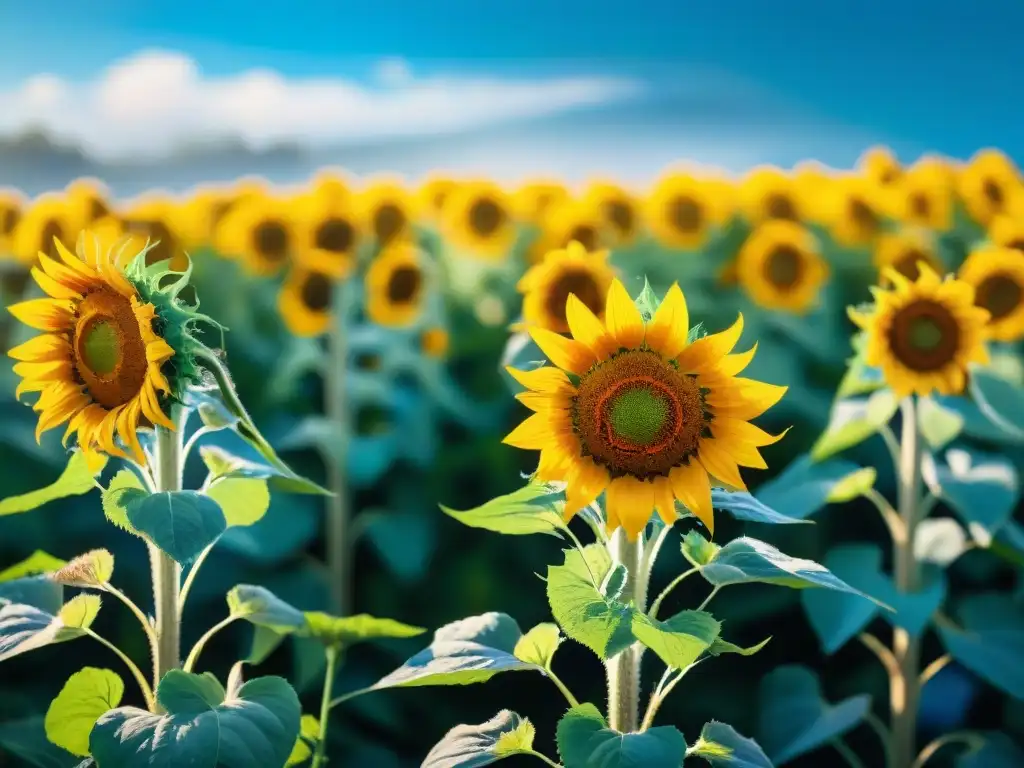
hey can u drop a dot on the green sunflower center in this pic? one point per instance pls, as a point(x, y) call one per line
point(925, 334)
point(101, 349)
point(638, 415)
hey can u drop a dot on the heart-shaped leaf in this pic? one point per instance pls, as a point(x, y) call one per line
point(535, 508)
point(242, 500)
point(853, 421)
point(983, 489)
point(1000, 401)
point(260, 606)
point(344, 631)
point(87, 695)
point(806, 486)
point(742, 506)
point(939, 426)
point(471, 650)
point(721, 745)
point(680, 640)
point(180, 523)
point(78, 477)
point(472, 746)
point(795, 719)
point(538, 646)
point(991, 640)
point(252, 726)
point(123, 487)
point(25, 628)
point(586, 741)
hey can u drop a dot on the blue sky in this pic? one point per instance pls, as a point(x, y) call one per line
point(938, 75)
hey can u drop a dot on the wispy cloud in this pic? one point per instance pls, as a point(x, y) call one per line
point(153, 102)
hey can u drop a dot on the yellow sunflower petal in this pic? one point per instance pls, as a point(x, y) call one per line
point(717, 461)
point(532, 435)
point(632, 502)
point(586, 328)
point(705, 352)
point(545, 379)
point(53, 288)
point(624, 321)
point(44, 314)
point(567, 354)
point(42, 349)
point(692, 486)
point(584, 485)
point(733, 365)
point(664, 500)
point(668, 330)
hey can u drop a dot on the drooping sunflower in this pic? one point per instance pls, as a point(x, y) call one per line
point(532, 201)
point(924, 334)
point(260, 230)
point(904, 252)
point(573, 220)
point(997, 276)
point(387, 211)
point(11, 205)
point(433, 194)
point(924, 195)
point(328, 235)
point(619, 209)
point(988, 184)
point(91, 198)
point(434, 342)
point(780, 267)
point(571, 270)
point(855, 211)
point(396, 285)
point(45, 218)
point(116, 348)
point(879, 165)
point(770, 193)
point(158, 220)
point(681, 210)
point(477, 217)
point(640, 413)
point(305, 301)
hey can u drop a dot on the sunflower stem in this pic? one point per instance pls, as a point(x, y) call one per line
point(166, 571)
point(905, 686)
point(320, 755)
point(623, 669)
point(339, 538)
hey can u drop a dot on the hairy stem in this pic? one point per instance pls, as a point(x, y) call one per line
point(325, 708)
point(623, 669)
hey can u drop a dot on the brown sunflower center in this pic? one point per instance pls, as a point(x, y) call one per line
point(1016, 243)
point(404, 284)
point(888, 176)
point(784, 266)
point(585, 235)
point(9, 218)
point(924, 336)
point(335, 235)
point(51, 229)
point(1000, 294)
point(637, 415)
point(580, 283)
point(270, 239)
point(110, 355)
point(316, 292)
point(620, 214)
point(909, 264)
point(993, 191)
point(388, 223)
point(920, 205)
point(97, 210)
point(686, 214)
point(780, 206)
point(486, 216)
point(863, 215)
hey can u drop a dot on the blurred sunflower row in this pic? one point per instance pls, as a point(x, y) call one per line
point(778, 235)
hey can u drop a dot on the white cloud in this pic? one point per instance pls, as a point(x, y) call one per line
point(149, 104)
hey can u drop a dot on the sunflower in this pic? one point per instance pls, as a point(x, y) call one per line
point(433, 194)
point(924, 195)
point(923, 334)
point(1007, 230)
point(45, 219)
point(11, 205)
point(618, 208)
point(769, 193)
point(532, 201)
point(879, 165)
point(435, 342)
point(546, 286)
point(571, 221)
point(386, 208)
point(115, 348)
point(260, 230)
point(904, 252)
point(91, 198)
point(682, 210)
point(988, 185)
point(327, 230)
point(780, 267)
point(395, 285)
point(158, 220)
point(477, 217)
point(855, 211)
point(640, 413)
point(330, 185)
point(997, 276)
point(305, 301)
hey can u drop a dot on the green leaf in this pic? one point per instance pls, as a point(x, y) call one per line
point(795, 719)
point(806, 486)
point(742, 506)
point(93, 569)
point(25, 628)
point(854, 421)
point(990, 642)
point(472, 746)
point(180, 523)
point(680, 640)
point(309, 734)
point(243, 501)
point(939, 426)
point(1000, 401)
point(585, 741)
point(260, 606)
point(860, 378)
point(25, 740)
point(33, 565)
point(697, 550)
point(584, 614)
point(939, 540)
point(348, 630)
point(535, 508)
point(721, 646)
point(983, 489)
point(223, 465)
point(472, 650)
point(77, 478)
point(124, 486)
point(721, 745)
point(252, 726)
point(29, 583)
point(853, 486)
point(538, 646)
point(997, 751)
point(647, 302)
point(87, 695)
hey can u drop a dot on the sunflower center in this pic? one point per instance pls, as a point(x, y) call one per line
point(620, 214)
point(863, 216)
point(316, 292)
point(993, 191)
point(388, 223)
point(685, 214)
point(1000, 294)
point(97, 210)
point(404, 284)
point(779, 206)
point(888, 176)
point(1017, 244)
point(109, 352)
point(585, 235)
point(920, 206)
point(51, 229)
point(924, 336)
point(637, 415)
point(270, 239)
point(334, 235)
point(486, 217)
point(9, 218)
point(784, 266)
point(582, 285)
point(908, 264)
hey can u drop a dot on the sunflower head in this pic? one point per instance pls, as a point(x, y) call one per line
point(396, 285)
point(546, 286)
point(681, 210)
point(91, 198)
point(117, 346)
point(330, 186)
point(433, 193)
point(618, 208)
point(532, 201)
point(478, 217)
point(923, 334)
point(989, 184)
point(1007, 230)
point(924, 195)
point(305, 301)
point(11, 205)
point(780, 267)
point(639, 411)
point(386, 208)
point(43, 221)
point(997, 276)
point(158, 221)
point(905, 252)
point(570, 221)
point(879, 165)
point(856, 211)
point(769, 193)
point(260, 230)
point(327, 234)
